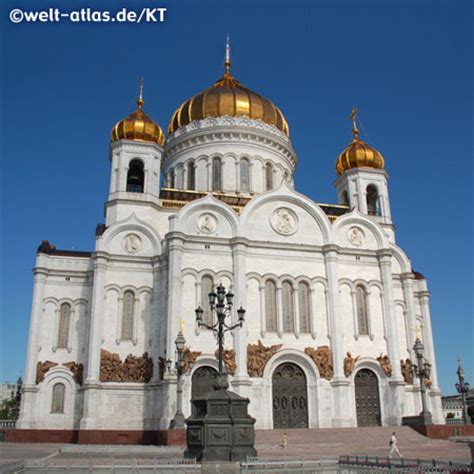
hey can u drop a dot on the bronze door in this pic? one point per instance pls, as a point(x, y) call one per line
point(290, 399)
point(202, 381)
point(367, 398)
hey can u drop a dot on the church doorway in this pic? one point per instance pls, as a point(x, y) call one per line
point(202, 380)
point(367, 398)
point(290, 397)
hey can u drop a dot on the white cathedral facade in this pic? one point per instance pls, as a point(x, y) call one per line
point(332, 302)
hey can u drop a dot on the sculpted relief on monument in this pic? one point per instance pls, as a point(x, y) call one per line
point(42, 368)
point(284, 221)
point(132, 369)
point(257, 357)
point(77, 371)
point(189, 358)
point(322, 357)
point(349, 364)
point(229, 360)
point(386, 365)
point(407, 371)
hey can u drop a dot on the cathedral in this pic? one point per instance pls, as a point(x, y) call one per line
point(333, 305)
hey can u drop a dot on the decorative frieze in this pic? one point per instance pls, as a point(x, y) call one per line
point(386, 365)
point(229, 360)
point(407, 370)
point(189, 358)
point(77, 371)
point(42, 368)
point(322, 357)
point(349, 364)
point(132, 369)
point(257, 357)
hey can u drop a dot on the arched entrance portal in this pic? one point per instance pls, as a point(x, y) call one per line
point(290, 397)
point(202, 381)
point(367, 398)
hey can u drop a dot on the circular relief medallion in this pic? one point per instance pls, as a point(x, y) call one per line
point(356, 236)
point(207, 223)
point(132, 243)
point(284, 221)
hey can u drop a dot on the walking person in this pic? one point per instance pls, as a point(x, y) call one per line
point(393, 446)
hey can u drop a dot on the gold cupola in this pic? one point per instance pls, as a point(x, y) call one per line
point(138, 126)
point(228, 97)
point(358, 154)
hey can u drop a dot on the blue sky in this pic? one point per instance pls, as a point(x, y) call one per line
point(407, 66)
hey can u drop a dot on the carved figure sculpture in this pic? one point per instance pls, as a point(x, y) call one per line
point(257, 357)
point(42, 368)
point(189, 358)
point(229, 360)
point(407, 371)
point(77, 371)
point(322, 357)
point(386, 365)
point(428, 383)
point(349, 364)
point(132, 369)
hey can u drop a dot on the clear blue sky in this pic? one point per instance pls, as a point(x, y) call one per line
point(407, 66)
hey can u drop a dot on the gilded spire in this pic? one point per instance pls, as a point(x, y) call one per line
point(140, 100)
point(355, 130)
point(227, 56)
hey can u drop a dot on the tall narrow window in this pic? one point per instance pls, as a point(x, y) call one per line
point(127, 315)
point(345, 198)
point(288, 307)
point(268, 176)
point(64, 322)
point(57, 402)
point(216, 174)
point(270, 306)
point(244, 175)
point(207, 286)
point(304, 307)
point(372, 201)
point(362, 310)
point(135, 177)
point(172, 179)
point(191, 185)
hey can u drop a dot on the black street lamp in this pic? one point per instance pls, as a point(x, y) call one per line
point(221, 304)
point(423, 371)
point(178, 420)
point(463, 389)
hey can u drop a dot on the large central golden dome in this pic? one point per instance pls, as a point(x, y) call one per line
point(228, 97)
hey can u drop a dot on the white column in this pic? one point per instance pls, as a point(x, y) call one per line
point(279, 310)
point(296, 306)
point(409, 295)
point(263, 322)
point(155, 305)
point(209, 176)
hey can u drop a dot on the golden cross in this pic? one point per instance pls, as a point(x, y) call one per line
point(181, 325)
point(353, 117)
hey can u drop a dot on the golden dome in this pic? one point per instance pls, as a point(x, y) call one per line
point(358, 154)
point(228, 97)
point(138, 126)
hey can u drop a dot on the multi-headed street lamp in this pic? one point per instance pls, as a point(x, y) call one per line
point(423, 371)
point(463, 389)
point(221, 304)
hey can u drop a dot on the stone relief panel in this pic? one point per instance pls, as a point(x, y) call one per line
point(77, 371)
point(349, 364)
point(207, 223)
point(407, 370)
point(322, 357)
point(284, 221)
point(356, 236)
point(189, 358)
point(386, 365)
point(132, 369)
point(229, 360)
point(257, 357)
point(42, 369)
point(132, 243)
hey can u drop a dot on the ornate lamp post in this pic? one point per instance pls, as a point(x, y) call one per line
point(422, 370)
point(178, 420)
point(221, 304)
point(463, 389)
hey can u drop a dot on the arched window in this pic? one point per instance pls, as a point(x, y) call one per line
point(64, 322)
point(268, 176)
point(135, 177)
point(216, 174)
point(373, 208)
point(345, 198)
point(304, 307)
point(191, 184)
point(57, 402)
point(362, 310)
point(207, 286)
point(127, 315)
point(270, 306)
point(172, 179)
point(288, 307)
point(244, 175)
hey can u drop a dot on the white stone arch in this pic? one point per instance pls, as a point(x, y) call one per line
point(208, 203)
point(131, 224)
point(384, 395)
point(287, 277)
point(285, 194)
point(254, 276)
point(312, 375)
point(356, 218)
point(404, 350)
point(401, 257)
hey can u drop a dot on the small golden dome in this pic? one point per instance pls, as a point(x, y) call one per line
point(138, 126)
point(228, 97)
point(358, 154)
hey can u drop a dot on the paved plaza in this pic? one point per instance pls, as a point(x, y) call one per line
point(301, 444)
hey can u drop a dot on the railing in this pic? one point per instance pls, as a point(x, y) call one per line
point(455, 421)
point(7, 423)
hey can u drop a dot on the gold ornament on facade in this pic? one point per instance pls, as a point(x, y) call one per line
point(322, 357)
point(257, 357)
point(42, 368)
point(228, 97)
point(77, 371)
point(229, 360)
point(386, 365)
point(138, 126)
point(358, 154)
point(406, 367)
point(349, 364)
point(132, 369)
